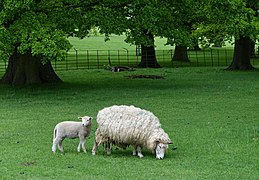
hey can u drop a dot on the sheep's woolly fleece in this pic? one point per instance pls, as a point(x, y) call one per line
point(129, 125)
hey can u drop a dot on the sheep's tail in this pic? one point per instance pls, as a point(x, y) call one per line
point(55, 133)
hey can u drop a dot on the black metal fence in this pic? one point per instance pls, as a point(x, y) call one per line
point(99, 59)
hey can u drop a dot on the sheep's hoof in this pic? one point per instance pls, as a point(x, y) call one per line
point(140, 156)
point(93, 153)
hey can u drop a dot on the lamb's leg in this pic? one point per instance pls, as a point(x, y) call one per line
point(78, 147)
point(95, 148)
point(139, 152)
point(82, 142)
point(60, 147)
point(54, 146)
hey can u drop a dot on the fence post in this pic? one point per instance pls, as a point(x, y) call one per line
point(76, 58)
point(211, 56)
point(66, 62)
point(109, 58)
point(171, 57)
point(87, 59)
point(218, 57)
point(204, 59)
point(226, 54)
point(119, 57)
point(97, 54)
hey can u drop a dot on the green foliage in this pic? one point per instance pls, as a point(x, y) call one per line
point(34, 26)
point(210, 114)
point(227, 19)
point(140, 19)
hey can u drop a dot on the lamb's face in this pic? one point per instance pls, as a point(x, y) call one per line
point(160, 150)
point(86, 120)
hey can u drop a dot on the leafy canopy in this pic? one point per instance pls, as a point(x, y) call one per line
point(37, 26)
point(224, 20)
point(138, 19)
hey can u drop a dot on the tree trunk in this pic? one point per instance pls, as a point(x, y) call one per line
point(180, 54)
point(241, 59)
point(25, 69)
point(148, 57)
point(252, 49)
point(148, 54)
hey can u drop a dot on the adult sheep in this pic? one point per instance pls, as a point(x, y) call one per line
point(129, 125)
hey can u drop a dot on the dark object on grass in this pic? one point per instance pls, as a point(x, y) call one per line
point(174, 148)
point(121, 68)
point(118, 68)
point(33, 163)
point(146, 76)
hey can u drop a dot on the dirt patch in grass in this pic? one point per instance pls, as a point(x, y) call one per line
point(145, 77)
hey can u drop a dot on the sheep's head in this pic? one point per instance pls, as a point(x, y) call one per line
point(161, 148)
point(86, 120)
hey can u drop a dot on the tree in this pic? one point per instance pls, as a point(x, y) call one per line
point(141, 21)
point(33, 33)
point(182, 36)
point(236, 19)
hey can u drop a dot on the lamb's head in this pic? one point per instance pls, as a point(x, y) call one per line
point(86, 120)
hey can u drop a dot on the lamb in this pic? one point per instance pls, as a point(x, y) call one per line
point(71, 129)
point(129, 125)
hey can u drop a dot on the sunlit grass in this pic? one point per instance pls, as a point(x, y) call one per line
point(210, 114)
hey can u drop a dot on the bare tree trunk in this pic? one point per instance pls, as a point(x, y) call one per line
point(148, 57)
point(241, 59)
point(148, 54)
point(252, 49)
point(181, 54)
point(25, 69)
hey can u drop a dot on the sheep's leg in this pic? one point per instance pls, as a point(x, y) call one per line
point(139, 152)
point(95, 148)
point(134, 151)
point(108, 148)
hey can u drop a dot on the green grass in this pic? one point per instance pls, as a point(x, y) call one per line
point(210, 114)
point(93, 52)
point(115, 43)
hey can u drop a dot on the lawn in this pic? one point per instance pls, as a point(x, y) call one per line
point(210, 114)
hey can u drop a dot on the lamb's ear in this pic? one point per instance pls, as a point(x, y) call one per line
point(90, 118)
point(80, 118)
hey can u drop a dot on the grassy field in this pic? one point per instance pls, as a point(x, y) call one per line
point(115, 43)
point(210, 114)
point(94, 53)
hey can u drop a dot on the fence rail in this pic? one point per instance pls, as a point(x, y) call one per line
point(98, 59)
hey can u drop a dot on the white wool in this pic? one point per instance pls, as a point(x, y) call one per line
point(71, 129)
point(129, 125)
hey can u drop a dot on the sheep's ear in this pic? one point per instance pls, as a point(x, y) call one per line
point(80, 118)
point(170, 142)
point(158, 141)
point(90, 118)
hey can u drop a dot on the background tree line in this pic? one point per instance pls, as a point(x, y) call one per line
point(34, 32)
